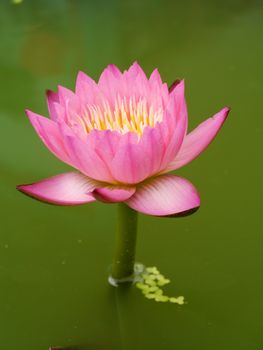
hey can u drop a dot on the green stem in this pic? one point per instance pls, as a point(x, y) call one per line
point(124, 257)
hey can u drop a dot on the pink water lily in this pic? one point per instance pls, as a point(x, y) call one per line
point(123, 135)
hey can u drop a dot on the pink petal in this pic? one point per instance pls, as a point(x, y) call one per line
point(165, 195)
point(115, 70)
point(65, 94)
point(147, 144)
point(111, 84)
point(174, 84)
point(52, 101)
point(174, 124)
point(159, 94)
point(105, 143)
point(114, 194)
point(65, 189)
point(71, 104)
point(136, 82)
point(131, 164)
point(87, 90)
point(87, 160)
point(155, 78)
point(197, 141)
point(50, 134)
point(110, 71)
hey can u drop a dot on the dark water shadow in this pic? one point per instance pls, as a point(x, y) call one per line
point(124, 305)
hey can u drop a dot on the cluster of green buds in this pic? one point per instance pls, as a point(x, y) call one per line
point(151, 282)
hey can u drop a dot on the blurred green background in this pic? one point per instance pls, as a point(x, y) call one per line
point(54, 261)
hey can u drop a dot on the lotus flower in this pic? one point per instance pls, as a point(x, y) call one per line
point(122, 135)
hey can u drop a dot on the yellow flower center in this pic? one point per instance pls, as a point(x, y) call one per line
point(128, 115)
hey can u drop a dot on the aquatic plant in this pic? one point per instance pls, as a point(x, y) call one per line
point(123, 135)
point(151, 282)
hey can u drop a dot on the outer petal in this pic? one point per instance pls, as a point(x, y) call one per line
point(132, 163)
point(114, 194)
point(105, 143)
point(65, 95)
point(197, 141)
point(148, 146)
point(165, 195)
point(50, 134)
point(87, 160)
point(159, 93)
point(174, 124)
point(52, 101)
point(71, 104)
point(65, 189)
point(174, 84)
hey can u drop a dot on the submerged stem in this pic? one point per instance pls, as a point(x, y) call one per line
point(124, 257)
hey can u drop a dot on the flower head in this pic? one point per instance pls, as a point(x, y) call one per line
point(122, 135)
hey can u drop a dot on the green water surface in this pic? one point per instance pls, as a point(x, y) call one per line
point(54, 261)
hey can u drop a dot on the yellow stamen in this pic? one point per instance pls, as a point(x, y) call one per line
point(127, 115)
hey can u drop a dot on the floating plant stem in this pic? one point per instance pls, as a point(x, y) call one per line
point(124, 256)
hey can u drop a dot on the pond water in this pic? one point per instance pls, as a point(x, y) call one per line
point(54, 261)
